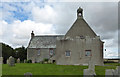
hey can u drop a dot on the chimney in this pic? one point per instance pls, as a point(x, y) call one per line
point(32, 34)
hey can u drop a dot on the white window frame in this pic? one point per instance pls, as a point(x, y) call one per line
point(66, 53)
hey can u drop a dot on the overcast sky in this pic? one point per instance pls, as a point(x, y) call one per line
point(18, 19)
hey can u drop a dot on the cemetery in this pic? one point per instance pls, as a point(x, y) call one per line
point(46, 68)
point(78, 52)
point(53, 69)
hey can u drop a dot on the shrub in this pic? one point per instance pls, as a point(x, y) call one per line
point(29, 61)
point(46, 60)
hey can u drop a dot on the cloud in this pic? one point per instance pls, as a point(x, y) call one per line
point(57, 18)
point(45, 15)
point(23, 29)
point(111, 53)
point(19, 34)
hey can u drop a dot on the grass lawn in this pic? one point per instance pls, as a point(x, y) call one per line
point(51, 69)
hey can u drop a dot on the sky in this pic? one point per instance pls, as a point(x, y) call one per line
point(44, 17)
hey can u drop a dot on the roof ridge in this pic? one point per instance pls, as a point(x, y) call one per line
point(47, 35)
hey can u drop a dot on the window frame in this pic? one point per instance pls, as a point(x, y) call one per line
point(39, 52)
point(66, 53)
point(88, 55)
point(50, 52)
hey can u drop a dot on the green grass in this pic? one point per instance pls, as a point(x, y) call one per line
point(50, 69)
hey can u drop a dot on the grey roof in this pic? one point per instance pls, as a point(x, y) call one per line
point(45, 41)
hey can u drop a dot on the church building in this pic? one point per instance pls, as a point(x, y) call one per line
point(77, 47)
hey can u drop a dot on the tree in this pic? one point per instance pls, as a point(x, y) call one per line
point(7, 51)
point(21, 53)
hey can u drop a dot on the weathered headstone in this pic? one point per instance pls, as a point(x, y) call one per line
point(28, 74)
point(112, 72)
point(24, 61)
point(1, 60)
point(18, 60)
point(91, 70)
point(33, 61)
point(91, 66)
point(7, 61)
point(109, 71)
point(11, 61)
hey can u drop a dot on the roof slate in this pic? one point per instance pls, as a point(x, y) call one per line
point(45, 41)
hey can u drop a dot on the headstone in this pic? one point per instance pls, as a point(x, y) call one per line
point(109, 72)
point(28, 74)
point(33, 61)
point(117, 71)
point(7, 61)
point(11, 61)
point(91, 70)
point(112, 72)
point(24, 61)
point(1, 60)
point(18, 60)
point(91, 66)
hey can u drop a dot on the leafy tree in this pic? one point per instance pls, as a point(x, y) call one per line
point(21, 53)
point(7, 51)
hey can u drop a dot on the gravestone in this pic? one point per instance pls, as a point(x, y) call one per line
point(116, 71)
point(18, 60)
point(24, 61)
point(112, 72)
point(109, 71)
point(91, 70)
point(11, 61)
point(33, 61)
point(1, 60)
point(91, 66)
point(7, 61)
point(28, 74)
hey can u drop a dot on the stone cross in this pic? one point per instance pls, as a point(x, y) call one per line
point(18, 60)
point(91, 65)
point(11, 61)
point(90, 70)
point(1, 60)
point(28, 74)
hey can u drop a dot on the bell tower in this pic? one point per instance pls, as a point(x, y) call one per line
point(79, 12)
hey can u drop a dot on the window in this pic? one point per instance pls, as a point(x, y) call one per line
point(67, 53)
point(51, 52)
point(38, 52)
point(82, 37)
point(88, 53)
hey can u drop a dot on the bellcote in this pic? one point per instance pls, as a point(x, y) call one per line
point(79, 12)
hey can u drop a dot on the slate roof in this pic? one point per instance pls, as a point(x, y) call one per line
point(45, 41)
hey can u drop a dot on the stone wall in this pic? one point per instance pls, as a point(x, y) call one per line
point(32, 54)
point(77, 48)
